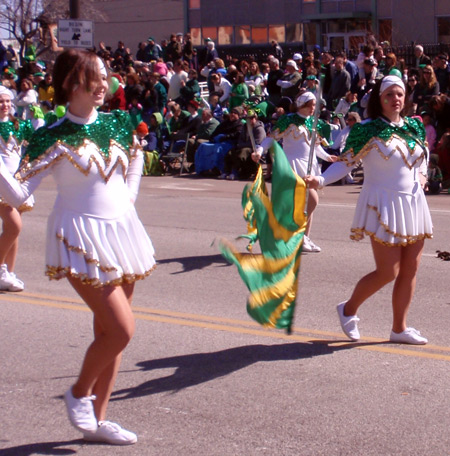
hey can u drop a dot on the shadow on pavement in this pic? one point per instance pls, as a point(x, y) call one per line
point(195, 262)
point(51, 448)
point(203, 367)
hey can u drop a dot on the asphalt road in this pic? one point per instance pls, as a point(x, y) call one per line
point(199, 377)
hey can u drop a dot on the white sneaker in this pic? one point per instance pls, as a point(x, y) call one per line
point(8, 280)
point(81, 412)
point(309, 246)
point(17, 283)
point(408, 336)
point(348, 324)
point(112, 433)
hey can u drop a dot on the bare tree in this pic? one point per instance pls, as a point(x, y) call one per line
point(27, 20)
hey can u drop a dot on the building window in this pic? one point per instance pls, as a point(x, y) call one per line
point(259, 35)
point(385, 30)
point(209, 32)
point(294, 32)
point(194, 4)
point(309, 33)
point(243, 34)
point(277, 33)
point(225, 35)
point(443, 30)
point(196, 36)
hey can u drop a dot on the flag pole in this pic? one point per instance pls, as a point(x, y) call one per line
point(252, 138)
point(314, 133)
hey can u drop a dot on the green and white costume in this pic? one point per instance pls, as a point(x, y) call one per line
point(392, 207)
point(93, 232)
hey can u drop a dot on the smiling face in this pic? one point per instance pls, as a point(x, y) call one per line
point(5, 105)
point(392, 102)
point(94, 95)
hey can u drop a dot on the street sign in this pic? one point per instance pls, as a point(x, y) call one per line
point(73, 33)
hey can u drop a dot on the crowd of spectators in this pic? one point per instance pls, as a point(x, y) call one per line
point(181, 99)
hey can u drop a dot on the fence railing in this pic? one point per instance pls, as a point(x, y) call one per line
point(261, 52)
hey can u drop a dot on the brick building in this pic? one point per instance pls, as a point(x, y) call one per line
point(335, 24)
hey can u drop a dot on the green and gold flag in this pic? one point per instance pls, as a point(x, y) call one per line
point(278, 223)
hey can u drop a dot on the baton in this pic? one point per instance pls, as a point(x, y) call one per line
point(315, 122)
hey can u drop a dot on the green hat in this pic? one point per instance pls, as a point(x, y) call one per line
point(395, 72)
point(150, 38)
point(158, 117)
point(311, 77)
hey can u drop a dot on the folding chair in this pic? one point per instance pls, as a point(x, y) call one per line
point(172, 160)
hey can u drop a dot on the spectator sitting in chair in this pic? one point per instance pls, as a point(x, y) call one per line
point(214, 105)
point(223, 86)
point(238, 161)
point(190, 127)
point(189, 89)
point(209, 156)
point(203, 135)
point(177, 119)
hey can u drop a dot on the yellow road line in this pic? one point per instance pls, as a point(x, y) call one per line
point(242, 327)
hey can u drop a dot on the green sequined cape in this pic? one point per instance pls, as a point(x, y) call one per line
point(285, 121)
point(412, 131)
point(115, 126)
point(20, 129)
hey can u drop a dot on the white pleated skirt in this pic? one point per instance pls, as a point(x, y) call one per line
point(98, 251)
point(392, 217)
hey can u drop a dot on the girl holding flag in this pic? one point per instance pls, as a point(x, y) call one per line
point(391, 209)
point(295, 130)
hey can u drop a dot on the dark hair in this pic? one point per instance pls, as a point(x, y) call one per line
point(374, 107)
point(74, 67)
point(240, 79)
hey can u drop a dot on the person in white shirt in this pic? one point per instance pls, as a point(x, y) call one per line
point(175, 80)
point(223, 86)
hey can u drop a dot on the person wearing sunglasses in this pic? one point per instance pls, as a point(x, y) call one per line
point(427, 87)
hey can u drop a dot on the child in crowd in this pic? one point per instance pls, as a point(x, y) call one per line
point(434, 183)
point(347, 103)
point(135, 110)
point(427, 120)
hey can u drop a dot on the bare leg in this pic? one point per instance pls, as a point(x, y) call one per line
point(405, 284)
point(114, 327)
point(105, 383)
point(9, 239)
point(387, 262)
point(313, 200)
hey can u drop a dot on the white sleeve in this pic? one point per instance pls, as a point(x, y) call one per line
point(15, 193)
point(334, 173)
point(28, 98)
point(267, 143)
point(284, 84)
point(321, 153)
point(134, 173)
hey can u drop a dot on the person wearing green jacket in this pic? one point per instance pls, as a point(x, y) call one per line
point(239, 91)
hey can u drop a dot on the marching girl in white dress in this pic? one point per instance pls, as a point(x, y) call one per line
point(295, 131)
point(14, 133)
point(392, 209)
point(94, 236)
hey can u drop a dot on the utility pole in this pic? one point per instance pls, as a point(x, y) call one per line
point(74, 9)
